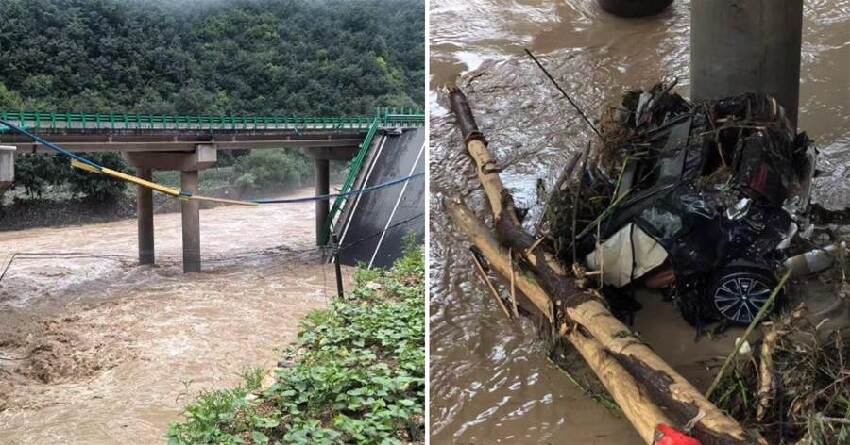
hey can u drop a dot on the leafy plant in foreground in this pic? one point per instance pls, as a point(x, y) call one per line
point(358, 374)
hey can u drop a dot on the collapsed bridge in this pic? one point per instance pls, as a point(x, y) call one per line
point(189, 144)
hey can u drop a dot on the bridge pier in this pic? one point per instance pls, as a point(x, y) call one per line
point(634, 8)
point(7, 167)
point(188, 164)
point(191, 223)
point(323, 187)
point(740, 46)
point(144, 210)
point(321, 157)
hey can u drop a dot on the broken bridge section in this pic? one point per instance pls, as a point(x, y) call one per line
point(372, 227)
point(189, 144)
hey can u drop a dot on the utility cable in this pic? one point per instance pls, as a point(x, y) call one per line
point(336, 195)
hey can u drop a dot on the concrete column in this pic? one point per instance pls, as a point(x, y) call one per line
point(323, 187)
point(191, 223)
point(144, 212)
point(7, 167)
point(634, 8)
point(740, 46)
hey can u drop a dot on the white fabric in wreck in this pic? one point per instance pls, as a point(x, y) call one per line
point(626, 256)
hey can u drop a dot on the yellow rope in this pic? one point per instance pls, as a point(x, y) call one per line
point(154, 186)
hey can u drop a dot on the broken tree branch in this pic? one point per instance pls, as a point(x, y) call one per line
point(766, 381)
point(496, 255)
point(483, 274)
point(513, 284)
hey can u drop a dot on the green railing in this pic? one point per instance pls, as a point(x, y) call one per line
point(386, 117)
point(353, 171)
point(98, 121)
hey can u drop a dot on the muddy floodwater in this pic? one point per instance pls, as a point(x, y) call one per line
point(97, 350)
point(490, 379)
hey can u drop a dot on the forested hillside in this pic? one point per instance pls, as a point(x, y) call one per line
point(285, 57)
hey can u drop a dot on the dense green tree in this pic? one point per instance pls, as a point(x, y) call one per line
point(290, 57)
point(284, 57)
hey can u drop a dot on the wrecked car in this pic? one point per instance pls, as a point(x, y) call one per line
point(705, 200)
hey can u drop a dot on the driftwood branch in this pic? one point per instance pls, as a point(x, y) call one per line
point(640, 411)
point(483, 275)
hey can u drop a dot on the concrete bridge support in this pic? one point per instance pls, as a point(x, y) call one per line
point(634, 8)
point(323, 187)
point(7, 167)
point(144, 211)
point(321, 157)
point(188, 164)
point(191, 223)
point(738, 46)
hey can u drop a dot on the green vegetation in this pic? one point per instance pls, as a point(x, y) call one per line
point(263, 168)
point(255, 57)
point(36, 172)
point(272, 57)
point(257, 170)
point(357, 374)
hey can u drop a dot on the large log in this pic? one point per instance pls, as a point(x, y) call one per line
point(666, 386)
point(641, 411)
point(587, 323)
point(508, 227)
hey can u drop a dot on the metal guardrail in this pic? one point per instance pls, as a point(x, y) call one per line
point(387, 117)
point(353, 171)
point(100, 121)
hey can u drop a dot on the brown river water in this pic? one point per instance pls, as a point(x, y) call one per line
point(97, 350)
point(490, 379)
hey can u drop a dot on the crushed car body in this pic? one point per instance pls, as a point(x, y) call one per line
point(703, 199)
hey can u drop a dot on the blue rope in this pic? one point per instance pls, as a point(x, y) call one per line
point(334, 195)
point(50, 145)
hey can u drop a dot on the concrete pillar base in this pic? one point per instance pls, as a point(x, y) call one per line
point(188, 163)
point(144, 212)
point(7, 167)
point(634, 8)
point(323, 187)
point(190, 217)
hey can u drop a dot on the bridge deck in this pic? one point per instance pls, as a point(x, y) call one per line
point(124, 141)
point(134, 133)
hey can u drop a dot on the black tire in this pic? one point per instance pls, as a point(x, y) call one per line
point(634, 8)
point(736, 294)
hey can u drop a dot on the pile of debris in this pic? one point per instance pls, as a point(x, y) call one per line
point(794, 387)
point(708, 201)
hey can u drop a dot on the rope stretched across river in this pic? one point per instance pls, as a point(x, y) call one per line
point(336, 195)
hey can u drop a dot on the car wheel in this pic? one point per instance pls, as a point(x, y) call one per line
point(739, 294)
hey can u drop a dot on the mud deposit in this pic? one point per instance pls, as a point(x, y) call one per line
point(97, 350)
point(490, 379)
